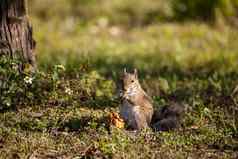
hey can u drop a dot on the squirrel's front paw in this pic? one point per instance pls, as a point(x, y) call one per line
point(121, 94)
point(125, 97)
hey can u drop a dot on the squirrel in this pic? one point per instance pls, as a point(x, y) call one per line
point(137, 110)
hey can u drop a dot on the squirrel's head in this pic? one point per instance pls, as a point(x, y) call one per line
point(129, 80)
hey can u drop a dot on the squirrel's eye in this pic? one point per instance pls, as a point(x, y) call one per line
point(132, 81)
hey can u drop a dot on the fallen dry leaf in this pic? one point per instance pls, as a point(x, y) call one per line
point(116, 120)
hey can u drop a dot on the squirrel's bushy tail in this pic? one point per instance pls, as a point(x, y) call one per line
point(168, 117)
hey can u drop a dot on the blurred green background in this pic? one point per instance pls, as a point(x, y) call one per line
point(174, 31)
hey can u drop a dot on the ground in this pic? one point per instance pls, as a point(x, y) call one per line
point(191, 63)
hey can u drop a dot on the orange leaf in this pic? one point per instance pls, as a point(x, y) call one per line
point(116, 120)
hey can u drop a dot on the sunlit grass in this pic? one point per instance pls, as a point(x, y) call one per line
point(192, 63)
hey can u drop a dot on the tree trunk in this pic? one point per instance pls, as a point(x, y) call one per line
point(16, 39)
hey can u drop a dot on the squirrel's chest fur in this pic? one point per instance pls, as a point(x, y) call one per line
point(137, 115)
point(128, 111)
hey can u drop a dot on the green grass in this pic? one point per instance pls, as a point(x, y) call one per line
point(192, 63)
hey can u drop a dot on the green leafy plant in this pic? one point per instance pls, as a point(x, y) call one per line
point(21, 87)
point(11, 85)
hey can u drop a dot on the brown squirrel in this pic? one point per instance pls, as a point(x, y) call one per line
point(136, 107)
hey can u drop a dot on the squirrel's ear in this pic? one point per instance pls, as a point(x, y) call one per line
point(135, 73)
point(124, 71)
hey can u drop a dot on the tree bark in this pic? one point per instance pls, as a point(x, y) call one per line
point(16, 39)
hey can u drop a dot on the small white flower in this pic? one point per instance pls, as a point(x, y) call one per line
point(68, 91)
point(14, 66)
point(28, 80)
